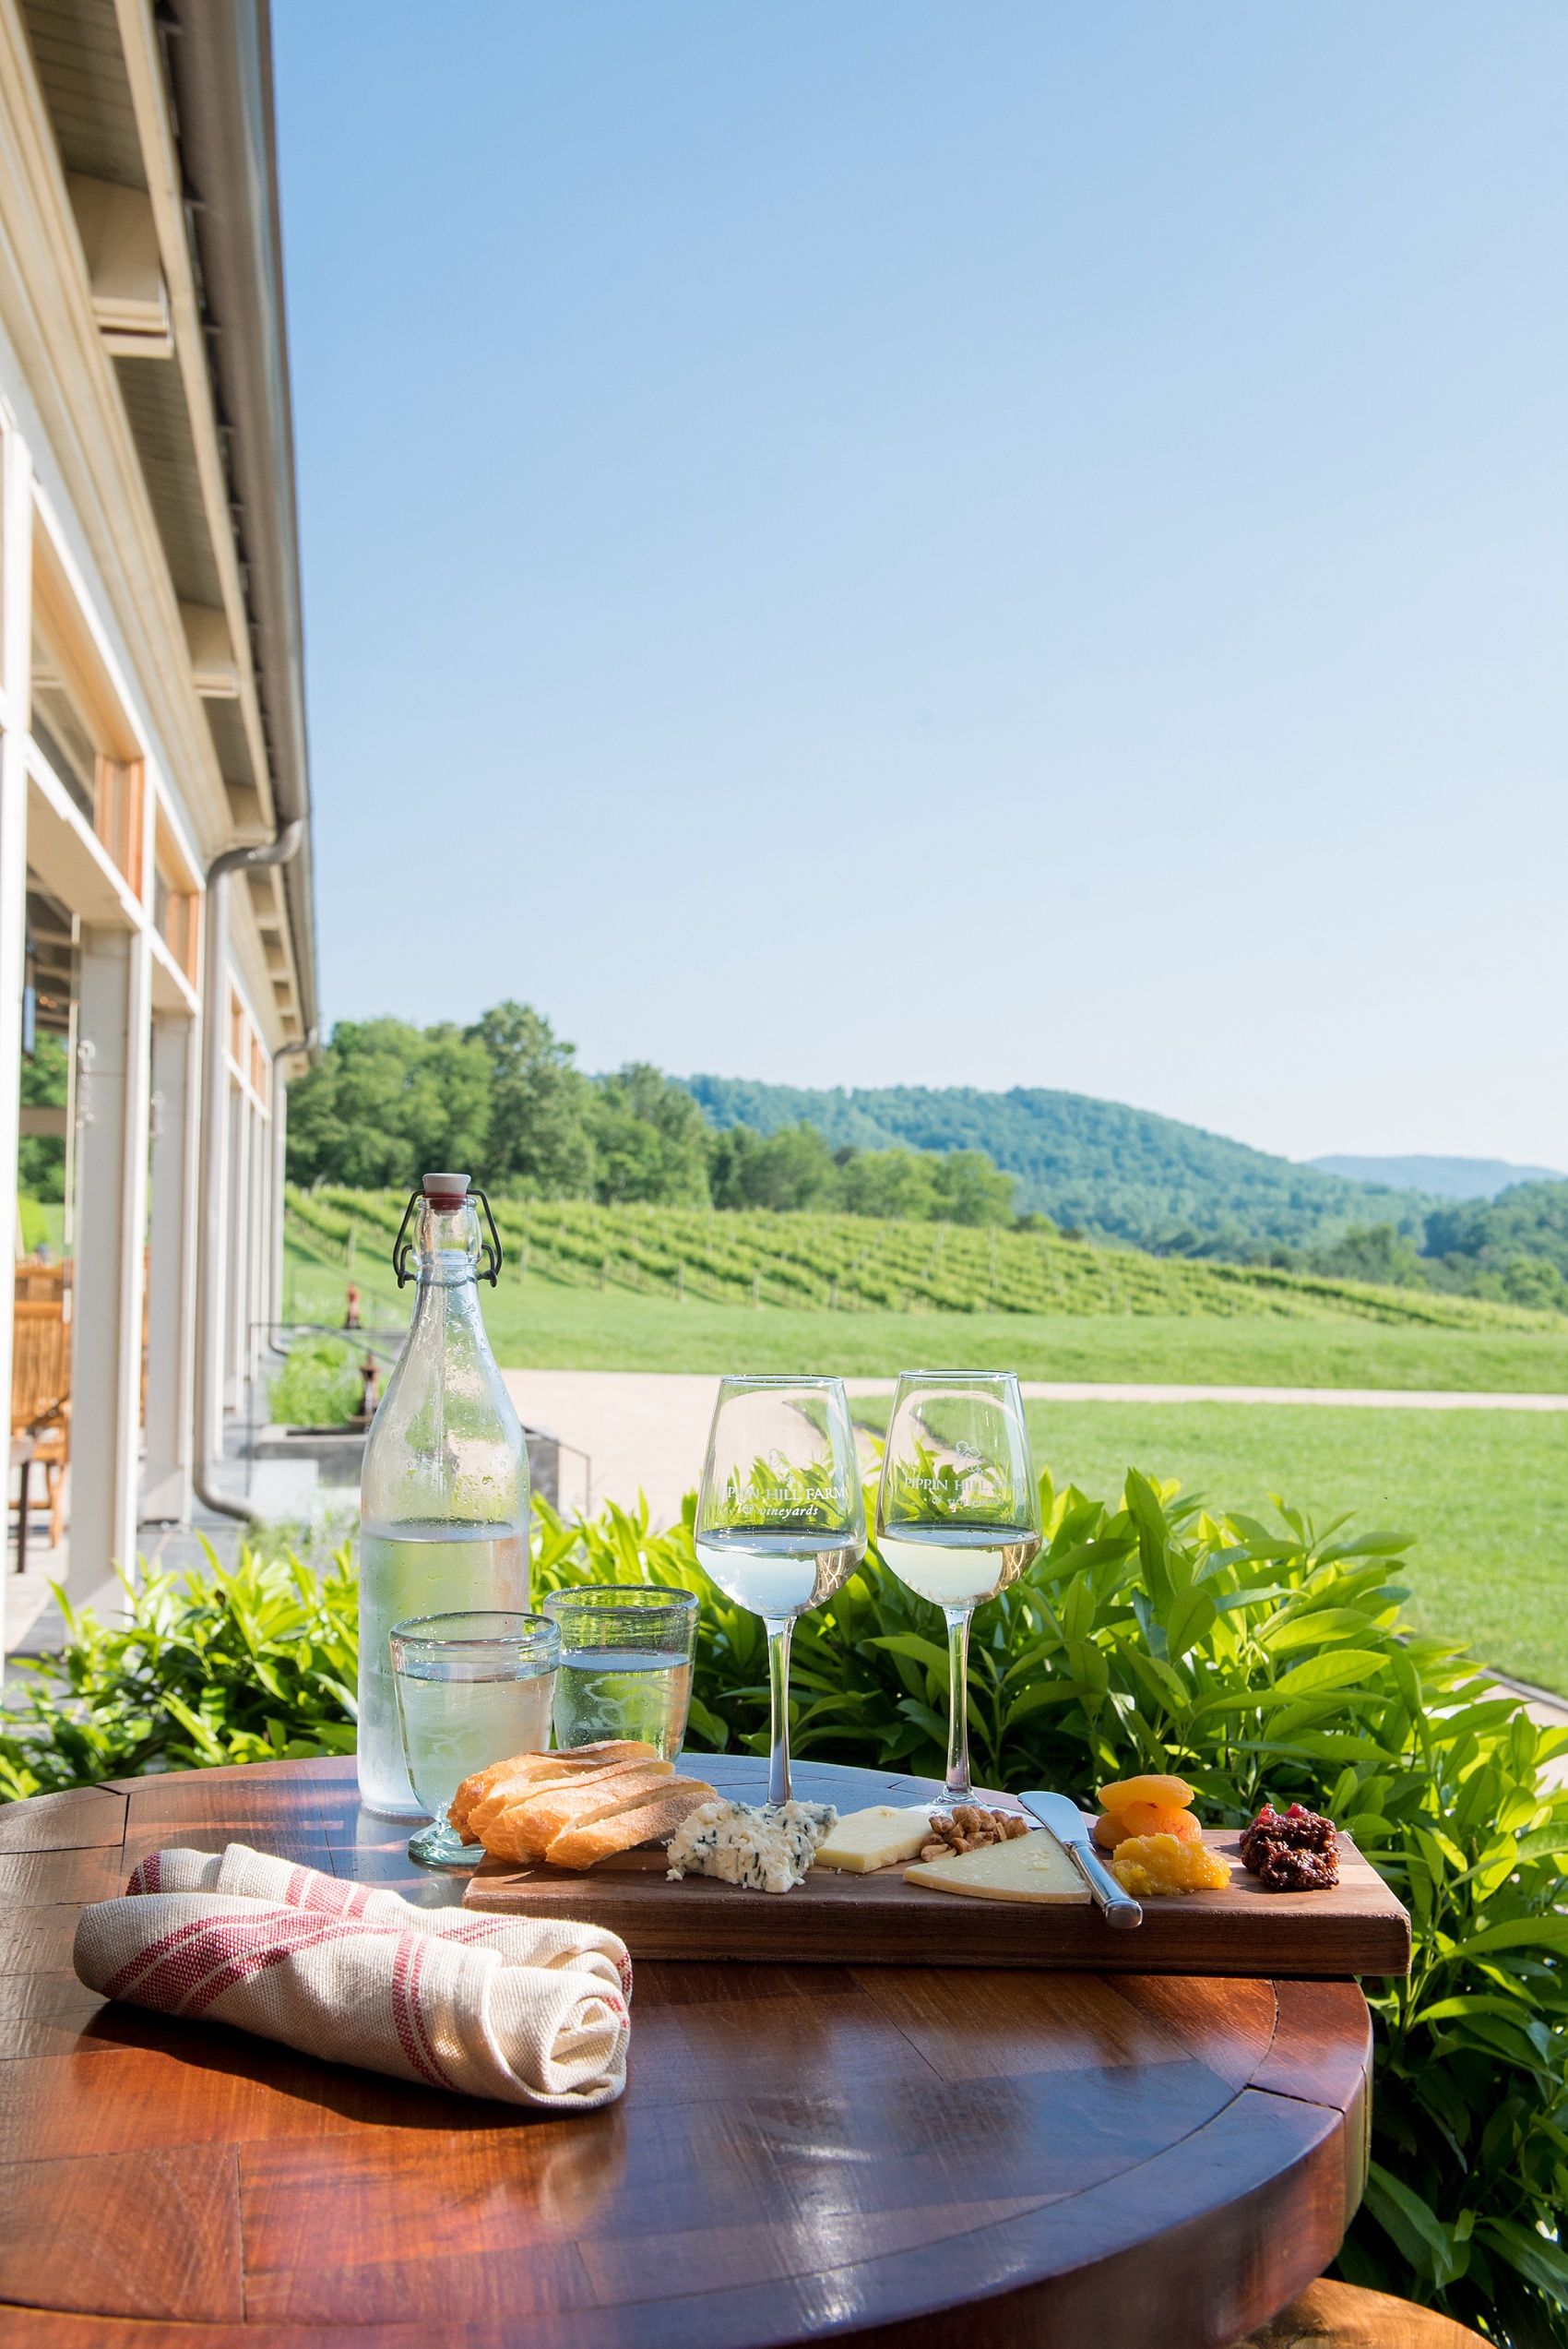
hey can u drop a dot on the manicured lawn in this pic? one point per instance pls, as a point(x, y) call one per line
point(544, 1325)
point(1485, 1492)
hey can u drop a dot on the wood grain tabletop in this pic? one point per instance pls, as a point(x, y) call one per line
point(805, 2152)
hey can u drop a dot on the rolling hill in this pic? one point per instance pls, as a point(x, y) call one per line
point(1091, 1165)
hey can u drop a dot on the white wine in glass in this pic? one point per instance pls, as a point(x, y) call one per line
point(780, 1521)
point(958, 1512)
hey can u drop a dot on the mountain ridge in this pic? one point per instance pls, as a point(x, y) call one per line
point(1446, 1178)
point(1094, 1166)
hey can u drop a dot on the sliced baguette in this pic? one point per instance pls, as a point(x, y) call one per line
point(523, 1781)
point(652, 1820)
point(518, 1769)
point(524, 1830)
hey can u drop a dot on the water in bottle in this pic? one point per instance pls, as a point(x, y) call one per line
point(444, 1496)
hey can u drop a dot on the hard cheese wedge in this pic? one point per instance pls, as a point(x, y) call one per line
point(874, 1838)
point(1031, 1867)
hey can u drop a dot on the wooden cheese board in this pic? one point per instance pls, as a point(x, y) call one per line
point(834, 1919)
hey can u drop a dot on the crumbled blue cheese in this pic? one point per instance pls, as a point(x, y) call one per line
point(763, 1850)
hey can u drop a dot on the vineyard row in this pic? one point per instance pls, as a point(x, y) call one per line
point(855, 1264)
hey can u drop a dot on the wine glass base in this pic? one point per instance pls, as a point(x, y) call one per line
point(440, 1845)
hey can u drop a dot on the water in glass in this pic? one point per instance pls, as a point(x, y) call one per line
point(451, 1728)
point(622, 1692)
point(472, 1688)
point(413, 1570)
point(780, 1521)
point(958, 1512)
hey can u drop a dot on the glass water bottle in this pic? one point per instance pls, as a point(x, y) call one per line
point(443, 1494)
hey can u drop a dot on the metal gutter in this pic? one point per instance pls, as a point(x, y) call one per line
point(213, 1169)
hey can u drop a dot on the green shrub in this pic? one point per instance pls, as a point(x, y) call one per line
point(247, 1666)
point(40, 1158)
point(1251, 1658)
point(320, 1385)
point(32, 1221)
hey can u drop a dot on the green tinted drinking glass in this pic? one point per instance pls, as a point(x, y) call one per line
point(472, 1690)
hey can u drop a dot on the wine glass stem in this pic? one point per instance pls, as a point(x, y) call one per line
point(778, 1687)
point(959, 1787)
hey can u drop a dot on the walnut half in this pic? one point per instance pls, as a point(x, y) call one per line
point(969, 1828)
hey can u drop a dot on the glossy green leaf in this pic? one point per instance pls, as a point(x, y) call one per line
point(1347, 1668)
point(1316, 1631)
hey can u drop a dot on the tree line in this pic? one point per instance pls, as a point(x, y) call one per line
point(1513, 1248)
point(505, 1100)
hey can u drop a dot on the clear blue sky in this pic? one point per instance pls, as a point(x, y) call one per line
point(874, 542)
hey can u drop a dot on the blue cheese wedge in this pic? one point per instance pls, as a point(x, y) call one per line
point(1031, 1867)
point(763, 1850)
point(876, 1838)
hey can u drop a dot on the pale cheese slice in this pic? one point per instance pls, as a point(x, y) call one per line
point(1031, 1867)
point(876, 1838)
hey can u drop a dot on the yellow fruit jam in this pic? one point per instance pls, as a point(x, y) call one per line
point(1148, 1866)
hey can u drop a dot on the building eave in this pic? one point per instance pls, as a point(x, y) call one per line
point(220, 61)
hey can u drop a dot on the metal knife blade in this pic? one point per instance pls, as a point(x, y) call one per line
point(1067, 1823)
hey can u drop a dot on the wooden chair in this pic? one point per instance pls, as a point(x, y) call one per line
point(1343, 2316)
point(41, 1387)
point(41, 1283)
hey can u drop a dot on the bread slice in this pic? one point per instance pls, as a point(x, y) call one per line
point(535, 1770)
point(525, 1785)
point(525, 1829)
point(651, 1821)
point(525, 1773)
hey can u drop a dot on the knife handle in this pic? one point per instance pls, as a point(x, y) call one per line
point(1120, 1908)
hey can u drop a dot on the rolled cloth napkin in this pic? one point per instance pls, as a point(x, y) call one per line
point(532, 2011)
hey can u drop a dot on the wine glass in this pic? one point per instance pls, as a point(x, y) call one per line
point(958, 1512)
point(781, 1520)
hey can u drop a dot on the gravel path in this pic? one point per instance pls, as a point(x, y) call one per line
point(650, 1428)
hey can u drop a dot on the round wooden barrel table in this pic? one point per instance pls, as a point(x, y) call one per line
point(917, 2156)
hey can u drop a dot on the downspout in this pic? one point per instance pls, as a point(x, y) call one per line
point(209, 1211)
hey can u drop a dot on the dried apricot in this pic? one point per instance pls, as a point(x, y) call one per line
point(1161, 1818)
point(1145, 1818)
point(1175, 1791)
point(1149, 1865)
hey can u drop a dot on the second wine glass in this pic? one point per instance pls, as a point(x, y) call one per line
point(958, 1512)
point(781, 1520)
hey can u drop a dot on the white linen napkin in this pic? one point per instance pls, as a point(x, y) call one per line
point(532, 2011)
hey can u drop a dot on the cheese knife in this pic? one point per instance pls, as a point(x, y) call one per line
point(1067, 1823)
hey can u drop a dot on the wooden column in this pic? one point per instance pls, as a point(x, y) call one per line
point(237, 1218)
point(280, 1176)
point(257, 1286)
point(170, 1330)
point(15, 631)
point(112, 1096)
